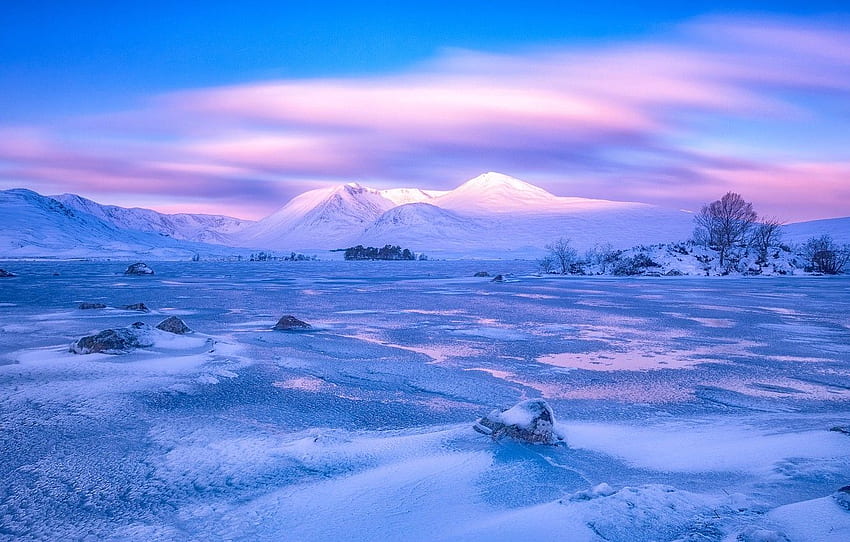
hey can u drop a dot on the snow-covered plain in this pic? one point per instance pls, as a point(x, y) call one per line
point(694, 409)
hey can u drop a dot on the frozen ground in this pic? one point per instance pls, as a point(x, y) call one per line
point(695, 409)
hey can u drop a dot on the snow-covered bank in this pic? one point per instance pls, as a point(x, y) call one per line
point(686, 258)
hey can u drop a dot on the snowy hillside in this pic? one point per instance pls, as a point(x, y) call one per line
point(799, 232)
point(323, 218)
point(410, 225)
point(39, 226)
point(190, 227)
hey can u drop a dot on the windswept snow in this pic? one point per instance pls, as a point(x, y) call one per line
point(363, 428)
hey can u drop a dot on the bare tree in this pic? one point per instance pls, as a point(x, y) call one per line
point(563, 253)
point(546, 264)
point(602, 255)
point(724, 223)
point(824, 255)
point(767, 233)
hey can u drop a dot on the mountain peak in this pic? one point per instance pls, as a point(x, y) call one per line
point(496, 192)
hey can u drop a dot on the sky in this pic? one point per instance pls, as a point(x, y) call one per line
point(235, 107)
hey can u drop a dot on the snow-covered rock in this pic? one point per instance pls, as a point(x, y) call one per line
point(290, 323)
point(842, 497)
point(115, 341)
point(175, 325)
point(531, 421)
point(139, 268)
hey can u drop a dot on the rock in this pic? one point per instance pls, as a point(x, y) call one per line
point(137, 307)
point(172, 324)
point(481, 274)
point(498, 278)
point(115, 341)
point(86, 306)
point(530, 421)
point(673, 273)
point(139, 268)
point(845, 429)
point(842, 497)
point(6, 274)
point(291, 323)
point(597, 491)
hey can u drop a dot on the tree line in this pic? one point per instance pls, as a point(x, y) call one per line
point(387, 252)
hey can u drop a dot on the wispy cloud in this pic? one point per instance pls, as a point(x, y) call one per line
point(640, 120)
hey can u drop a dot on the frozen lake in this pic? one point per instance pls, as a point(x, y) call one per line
point(704, 404)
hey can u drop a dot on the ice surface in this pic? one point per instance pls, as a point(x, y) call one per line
point(361, 430)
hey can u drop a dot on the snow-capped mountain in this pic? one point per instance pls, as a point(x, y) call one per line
point(322, 218)
point(190, 227)
point(490, 214)
point(39, 226)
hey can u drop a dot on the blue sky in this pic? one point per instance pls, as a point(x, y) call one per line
point(73, 73)
point(61, 57)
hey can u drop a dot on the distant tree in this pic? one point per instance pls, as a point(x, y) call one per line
point(563, 253)
point(546, 264)
point(823, 255)
point(602, 255)
point(724, 223)
point(766, 233)
point(387, 252)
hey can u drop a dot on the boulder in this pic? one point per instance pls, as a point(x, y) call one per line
point(6, 274)
point(529, 421)
point(481, 274)
point(498, 278)
point(172, 324)
point(842, 497)
point(139, 268)
point(137, 307)
point(86, 306)
point(291, 323)
point(115, 341)
point(844, 429)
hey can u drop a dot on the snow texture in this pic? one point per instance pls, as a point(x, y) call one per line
point(710, 421)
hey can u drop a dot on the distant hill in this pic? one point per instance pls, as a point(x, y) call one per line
point(39, 226)
point(189, 227)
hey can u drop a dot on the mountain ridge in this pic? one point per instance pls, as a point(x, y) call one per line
point(491, 215)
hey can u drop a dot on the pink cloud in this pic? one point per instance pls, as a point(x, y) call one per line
point(616, 121)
